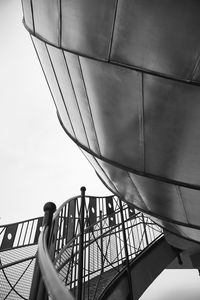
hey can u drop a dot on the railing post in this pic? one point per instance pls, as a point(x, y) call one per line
point(130, 296)
point(145, 230)
point(38, 291)
point(101, 239)
point(81, 241)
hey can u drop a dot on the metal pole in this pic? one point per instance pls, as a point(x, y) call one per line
point(81, 240)
point(145, 230)
point(130, 296)
point(49, 209)
point(38, 291)
point(101, 239)
point(35, 281)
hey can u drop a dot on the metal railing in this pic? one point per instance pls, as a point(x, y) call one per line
point(55, 287)
point(20, 234)
point(92, 240)
point(18, 247)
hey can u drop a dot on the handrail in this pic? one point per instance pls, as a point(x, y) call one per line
point(56, 288)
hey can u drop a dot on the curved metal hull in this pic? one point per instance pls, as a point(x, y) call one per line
point(124, 76)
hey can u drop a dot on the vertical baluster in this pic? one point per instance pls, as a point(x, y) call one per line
point(101, 241)
point(38, 291)
point(88, 263)
point(30, 235)
point(145, 231)
point(81, 239)
point(126, 253)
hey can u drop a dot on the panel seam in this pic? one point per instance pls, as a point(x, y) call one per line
point(104, 174)
point(44, 74)
point(116, 63)
point(76, 99)
point(138, 193)
point(81, 70)
point(113, 30)
point(142, 120)
point(195, 67)
point(60, 91)
point(131, 170)
point(181, 200)
point(32, 12)
point(60, 24)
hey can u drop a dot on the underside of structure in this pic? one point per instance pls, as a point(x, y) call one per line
point(124, 76)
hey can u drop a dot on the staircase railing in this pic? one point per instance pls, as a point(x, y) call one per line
point(54, 285)
point(18, 247)
point(92, 239)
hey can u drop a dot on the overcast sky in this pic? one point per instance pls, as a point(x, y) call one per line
point(38, 162)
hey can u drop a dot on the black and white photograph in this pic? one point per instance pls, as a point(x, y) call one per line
point(99, 150)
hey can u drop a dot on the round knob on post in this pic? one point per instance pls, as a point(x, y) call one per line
point(49, 209)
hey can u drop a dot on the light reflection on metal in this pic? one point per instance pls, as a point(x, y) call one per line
point(126, 88)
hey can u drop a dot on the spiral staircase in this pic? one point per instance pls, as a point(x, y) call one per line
point(89, 248)
point(18, 249)
point(124, 76)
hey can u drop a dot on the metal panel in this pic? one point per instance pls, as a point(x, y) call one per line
point(87, 26)
point(53, 84)
point(146, 123)
point(100, 172)
point(161, 198)
point(191, 200)
point(27, 12)
point(172, 135)
point(190, 233)
point(183, 231)
point(68, 93)
point(82, 99)
point(115, 96)
point(196, 73)
point(161, 36)
point(123, 183)
point(47, 19)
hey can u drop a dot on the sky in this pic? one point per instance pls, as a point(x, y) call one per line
point(38, 162)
